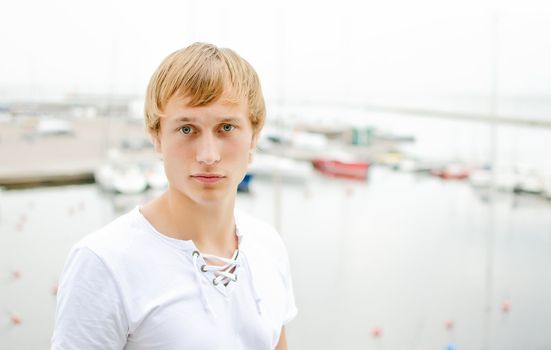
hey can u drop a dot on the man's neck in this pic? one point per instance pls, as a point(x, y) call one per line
point(210, 227)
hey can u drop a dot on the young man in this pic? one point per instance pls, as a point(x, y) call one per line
point(186, 270)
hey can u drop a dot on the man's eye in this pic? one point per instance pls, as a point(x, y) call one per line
point(227, 127)
point(186, 130)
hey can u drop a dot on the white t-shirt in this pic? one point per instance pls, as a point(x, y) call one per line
point(127, 286)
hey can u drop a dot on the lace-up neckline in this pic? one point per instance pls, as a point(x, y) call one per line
point(224, 274)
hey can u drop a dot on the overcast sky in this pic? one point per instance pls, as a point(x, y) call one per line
point(317, 50)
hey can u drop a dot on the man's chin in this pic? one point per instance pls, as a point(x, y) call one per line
point(213, 197)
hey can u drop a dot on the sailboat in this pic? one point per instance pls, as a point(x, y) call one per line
point(356, 170)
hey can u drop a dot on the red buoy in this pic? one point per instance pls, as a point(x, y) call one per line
point(15, 319)
point(376, 332)
point(449, 325)
point(505, 306)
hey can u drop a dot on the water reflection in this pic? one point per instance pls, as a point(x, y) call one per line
point(398, 261)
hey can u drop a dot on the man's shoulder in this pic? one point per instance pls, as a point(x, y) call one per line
point(114, 236)
point(258, 231)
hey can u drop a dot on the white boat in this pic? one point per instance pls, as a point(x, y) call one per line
point(530, 183)
point(547, 185)
point(121, 178)
point(129, 180)
point(480, 178)
point(51, 126)
point(506, 180)
point(156, 177)
point(293, 144)
point(104, 177)
point(267, 165)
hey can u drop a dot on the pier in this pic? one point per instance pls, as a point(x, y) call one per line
point(29, 158)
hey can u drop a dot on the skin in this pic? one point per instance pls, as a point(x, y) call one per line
point(282, 345)
point(213, 139)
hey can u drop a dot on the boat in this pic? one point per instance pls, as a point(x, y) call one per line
point(414, 165)
point(103, 176)
point(155, 176)
point(121, 178)
point(289, 170)
point(481, 178)
point(244, 184)
point(129, 180)
point(452, 172)
point(53, 127)
point(293, 144)
point(351, 170)
point(529, 183)
point(547, 186)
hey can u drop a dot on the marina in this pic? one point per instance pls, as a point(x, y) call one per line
point(397, 261)
point(411, 253)
point(403, 161)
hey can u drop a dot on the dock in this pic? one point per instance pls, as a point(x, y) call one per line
point(30, 159)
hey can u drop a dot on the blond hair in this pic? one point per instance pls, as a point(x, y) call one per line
point(203, 72)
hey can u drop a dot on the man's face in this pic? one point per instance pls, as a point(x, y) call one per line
point(205, 149)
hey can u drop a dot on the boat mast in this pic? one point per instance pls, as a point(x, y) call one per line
point(280, 98)
point(490, 231)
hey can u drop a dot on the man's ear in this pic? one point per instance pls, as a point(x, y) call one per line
point(154, 136)
point(254, 140)
point(253, 146)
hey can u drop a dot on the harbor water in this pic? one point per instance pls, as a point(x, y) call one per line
point(400, 261)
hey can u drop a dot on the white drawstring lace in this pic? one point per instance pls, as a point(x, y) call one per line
point(257, 298)
point(223, 274)
point(204, 299)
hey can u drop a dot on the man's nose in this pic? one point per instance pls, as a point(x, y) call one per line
point(207, 151)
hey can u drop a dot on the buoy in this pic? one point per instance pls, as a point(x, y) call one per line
point(505, 306)
point(449, 325)
point(376, 332)
point(15, 319)
point(16, 274)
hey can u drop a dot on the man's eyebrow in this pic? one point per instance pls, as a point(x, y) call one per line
point(193, 120)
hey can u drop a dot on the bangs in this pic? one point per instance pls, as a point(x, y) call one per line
point(202, 82)
point(203, 73)
point(204, 77)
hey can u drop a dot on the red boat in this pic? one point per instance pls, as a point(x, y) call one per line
point(349, 170)
point(452, 173)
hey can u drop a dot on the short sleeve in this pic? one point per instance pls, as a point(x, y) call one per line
point(90, 313)
point(291, 310)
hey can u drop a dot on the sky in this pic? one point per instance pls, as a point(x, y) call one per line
point(303, 50)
